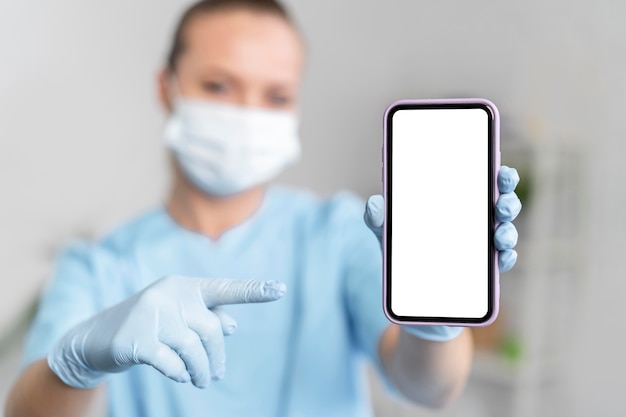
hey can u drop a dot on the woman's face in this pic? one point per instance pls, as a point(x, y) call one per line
point(240, 57)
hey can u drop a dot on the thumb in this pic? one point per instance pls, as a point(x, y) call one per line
point(375, 214)
point(221, 291)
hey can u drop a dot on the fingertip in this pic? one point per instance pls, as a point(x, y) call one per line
point(274, 289)
point(375, 201)
point(375, 211)
point(167, 362)
point(229, 324)
point(505, 236)
point(184, 377)
point(218, 375)
point(506, 260)
point(508, 178)
point(508, 207)
point(202, 384)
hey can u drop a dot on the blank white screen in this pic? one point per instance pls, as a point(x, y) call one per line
point(440, 209)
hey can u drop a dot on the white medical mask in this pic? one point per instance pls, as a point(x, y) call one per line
point(224, 149)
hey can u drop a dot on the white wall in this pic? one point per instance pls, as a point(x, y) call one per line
point(80, 144)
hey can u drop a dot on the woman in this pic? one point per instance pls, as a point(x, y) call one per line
point(165, 289)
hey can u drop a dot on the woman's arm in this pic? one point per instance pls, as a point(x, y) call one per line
point(39, 392)
point(426, 372)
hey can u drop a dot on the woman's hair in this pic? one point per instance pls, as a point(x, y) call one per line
point(211, 6)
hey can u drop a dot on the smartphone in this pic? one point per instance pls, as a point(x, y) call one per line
point(440, 161)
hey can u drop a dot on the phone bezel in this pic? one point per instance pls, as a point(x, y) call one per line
point(494, 158)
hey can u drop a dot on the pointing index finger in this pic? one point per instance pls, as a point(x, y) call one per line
point(222, 291)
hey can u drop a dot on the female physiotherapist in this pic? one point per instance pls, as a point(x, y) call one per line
point(153, 306)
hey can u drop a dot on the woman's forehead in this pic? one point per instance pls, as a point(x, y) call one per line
point(250, 47)
point(243, 35)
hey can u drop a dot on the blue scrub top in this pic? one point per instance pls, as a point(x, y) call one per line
point(299, 356)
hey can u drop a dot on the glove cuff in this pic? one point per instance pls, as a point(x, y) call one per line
point(68, 362)
point(434, 333)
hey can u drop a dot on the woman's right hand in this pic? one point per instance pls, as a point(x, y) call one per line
point(175, 325)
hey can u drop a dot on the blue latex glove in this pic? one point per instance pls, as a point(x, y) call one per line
point(507, 208)
point(174, 325)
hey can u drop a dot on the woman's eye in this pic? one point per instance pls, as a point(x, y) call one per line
point(214, 87)
point(280, 100)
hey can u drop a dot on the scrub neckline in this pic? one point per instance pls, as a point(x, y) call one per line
point(232, 232)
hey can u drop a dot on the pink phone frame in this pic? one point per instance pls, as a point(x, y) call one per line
point(495, 282)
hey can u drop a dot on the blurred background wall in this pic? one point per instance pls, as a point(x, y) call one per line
point(81, 152)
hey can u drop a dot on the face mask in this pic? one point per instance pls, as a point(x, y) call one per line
point(225, 149)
